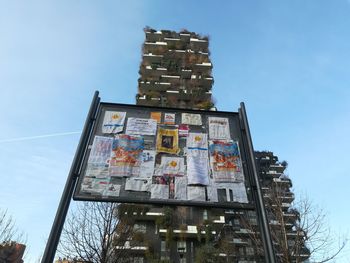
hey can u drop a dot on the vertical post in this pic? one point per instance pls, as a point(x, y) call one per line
point(57, 226)
point(256, 191)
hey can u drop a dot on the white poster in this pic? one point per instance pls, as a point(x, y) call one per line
point(159, 191)
point(147, 163)
point(98, 185)
point(197, 170)
point(169, 118)
point(138, 184)
point(113, 122)
point(101, 150)
point(195, 193)
point(191, 119)
point(97, 170)
point(112, 190)
point(137, 126)
point(212, 193)
point(235, 192)
point(197, 145)
point(219, 128)
point(180, 188)
point(171, 166)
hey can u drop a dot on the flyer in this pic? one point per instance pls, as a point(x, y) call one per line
point(138, 184)
point(183, 130)
point(225, 161)
point(147, 163)
point(100, 150)
point(169, 118)
point(197, 145)
point(235, 192)
point(180, 188)
point(126, 155)
point(219, 128)
point(191, 119)
point(159, 191)
point(168, 141)
point(171, 166)
point(97, 170)
point(138, 126)
point(212, 192)
point(156, 116)
point(197, 170)
point(113, 122)
point(112, 190)
point(195, 193)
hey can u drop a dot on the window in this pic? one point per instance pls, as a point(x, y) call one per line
point(205, 214)
point(181, 246)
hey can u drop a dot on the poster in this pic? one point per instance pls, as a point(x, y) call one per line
point(97, 170)
point(138, 126)
point(197, 170)
point(147, 163)
point(168, 141)
point(183, 130)
point(159, 191)
point(101, 150)
point(173, 166)
point(125, 157)
point(95, 185)
point(180, 188)
point(212, 192)
point(100, 154)
point(169, 118)
point(156, 116)
point(138, 184)
point(112, 190)
point(195, 193)
point(219, 128)
point(197, 145)
point(235, 192)
point(113, 122)
point(191, 119)
point(225, 160)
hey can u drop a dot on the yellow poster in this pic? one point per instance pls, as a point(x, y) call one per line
point(168, 140)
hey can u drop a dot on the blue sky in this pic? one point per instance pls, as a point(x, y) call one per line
point(289, 61)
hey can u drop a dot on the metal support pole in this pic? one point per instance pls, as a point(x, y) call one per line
point(57, 226)
point(257, 195)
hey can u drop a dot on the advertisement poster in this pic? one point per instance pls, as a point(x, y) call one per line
point(168, 141)
point(147, 163)
point(225, 160)
point(191, 119)
point(174, 166)
point(155, 115)
point(197, 145)
point(169, 118)
point(219, 128)
point(197, 170)
point(138, 126)
point(113, 122)
point(125, 157)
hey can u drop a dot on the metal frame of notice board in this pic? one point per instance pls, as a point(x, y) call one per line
point(239, 129)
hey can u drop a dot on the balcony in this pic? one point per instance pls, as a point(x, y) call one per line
point(152, 58)
point(153, 37)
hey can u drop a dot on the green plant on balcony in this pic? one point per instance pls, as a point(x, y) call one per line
point(152, 94)
point(204, 105)
point(167, 221)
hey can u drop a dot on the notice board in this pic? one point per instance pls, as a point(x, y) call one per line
point(153, 155)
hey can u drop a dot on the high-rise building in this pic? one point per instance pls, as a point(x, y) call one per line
point(176, 72)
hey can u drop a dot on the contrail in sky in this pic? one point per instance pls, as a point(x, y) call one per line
point(39, 137)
